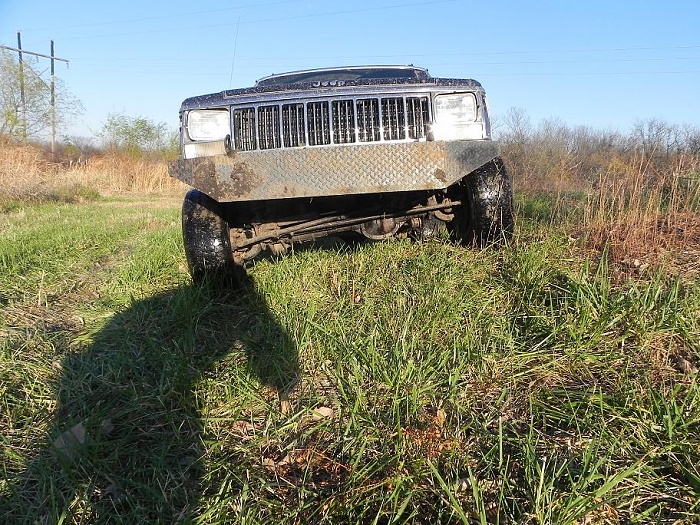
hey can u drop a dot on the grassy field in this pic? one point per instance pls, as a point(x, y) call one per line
point(553, 381)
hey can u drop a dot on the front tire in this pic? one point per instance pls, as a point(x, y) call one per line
point(206, 240)
point(485, 216)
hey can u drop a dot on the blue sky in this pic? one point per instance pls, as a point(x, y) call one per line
point(605, 64)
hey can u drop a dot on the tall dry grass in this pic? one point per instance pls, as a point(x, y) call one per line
point(640, 215)
point(635, 204)
point(634, 197)
point(27, 172)
point(118, 173)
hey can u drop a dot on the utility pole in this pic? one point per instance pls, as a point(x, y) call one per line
point(53, 107)
point(22, 94)
point(22, 98)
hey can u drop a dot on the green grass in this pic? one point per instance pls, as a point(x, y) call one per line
point(550, 208)
point(395, 382)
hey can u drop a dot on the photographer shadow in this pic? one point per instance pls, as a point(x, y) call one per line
point(126, 439)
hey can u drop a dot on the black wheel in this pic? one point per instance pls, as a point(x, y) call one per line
point(486, 214)
point(205, 234)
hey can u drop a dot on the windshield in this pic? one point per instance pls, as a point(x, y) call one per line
point(348, 74)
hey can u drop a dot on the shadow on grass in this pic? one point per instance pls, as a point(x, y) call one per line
point(125, 444)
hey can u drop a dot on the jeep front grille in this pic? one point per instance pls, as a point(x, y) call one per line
point(343, 121)
point(269, 127)
point(293, 125)
point(244, 126)
point(319, 123)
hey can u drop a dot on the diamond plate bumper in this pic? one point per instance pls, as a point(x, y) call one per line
point(339, 170)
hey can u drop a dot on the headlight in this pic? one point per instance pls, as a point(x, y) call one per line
point(455, 118)
point(208, 124)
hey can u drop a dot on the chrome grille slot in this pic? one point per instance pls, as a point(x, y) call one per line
point(293, 127)
point(323, 122)
point(393, 119)
point(368, 129)
point(244, 129)
point(418, 117)
point(269, 127)
point(343, 121)
point(318, 123)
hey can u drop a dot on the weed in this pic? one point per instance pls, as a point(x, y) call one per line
point(383, 383)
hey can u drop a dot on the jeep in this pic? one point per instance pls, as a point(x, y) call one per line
point(379, 151)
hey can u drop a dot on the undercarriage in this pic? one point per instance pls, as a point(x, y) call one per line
point(221, 237)
point(274, 226)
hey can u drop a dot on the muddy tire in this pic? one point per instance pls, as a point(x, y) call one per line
point(486, 214)
point(205, 235)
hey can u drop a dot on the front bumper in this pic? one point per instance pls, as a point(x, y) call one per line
point(334, 170)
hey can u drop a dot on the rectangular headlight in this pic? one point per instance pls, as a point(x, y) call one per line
point(455, 117)
point(208, 124)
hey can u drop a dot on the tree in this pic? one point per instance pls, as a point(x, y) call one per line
point(516, 134)
point(134, 134)
point(35, 120)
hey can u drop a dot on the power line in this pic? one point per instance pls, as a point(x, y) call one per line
point(19, 50)
point(162, 17)
point(259, 21)
point(235, 48)
point(256, 61)
point(52, 88)
point(590, 73)
point(411, 56)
